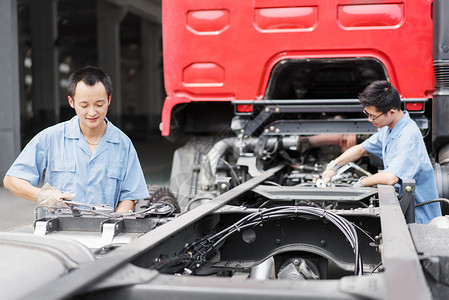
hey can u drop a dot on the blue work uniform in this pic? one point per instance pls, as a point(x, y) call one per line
point(404, 154)
point(109, 175)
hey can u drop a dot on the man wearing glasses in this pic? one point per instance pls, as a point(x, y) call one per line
point(398, 143)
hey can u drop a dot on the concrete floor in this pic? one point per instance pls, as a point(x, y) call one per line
point(155, 157)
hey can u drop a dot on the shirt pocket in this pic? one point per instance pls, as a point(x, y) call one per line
point(114, 181)
point(63, 175)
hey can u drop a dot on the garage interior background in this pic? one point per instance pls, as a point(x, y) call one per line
point(43, 41)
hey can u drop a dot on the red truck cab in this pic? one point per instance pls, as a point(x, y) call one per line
point(219, 51)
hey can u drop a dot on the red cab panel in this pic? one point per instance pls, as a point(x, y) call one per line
point(224, 50)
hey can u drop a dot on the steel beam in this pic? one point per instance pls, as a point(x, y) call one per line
point(293, 127)
point(403, 273)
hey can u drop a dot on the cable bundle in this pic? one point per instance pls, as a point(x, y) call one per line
point(199, 252)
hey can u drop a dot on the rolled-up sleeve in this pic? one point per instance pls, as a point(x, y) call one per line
point(373, 145)
point(133, 186)
point(31, 162)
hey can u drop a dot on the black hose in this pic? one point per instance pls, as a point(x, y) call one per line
point(443, 200)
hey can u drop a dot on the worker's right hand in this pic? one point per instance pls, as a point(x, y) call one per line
point(48, 197)
point(328, 174)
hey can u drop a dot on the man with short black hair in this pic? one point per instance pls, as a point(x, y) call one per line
point(398, 143)
point(86, 159)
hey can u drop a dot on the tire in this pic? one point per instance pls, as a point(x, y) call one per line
point(158, 194)
point(183, 178)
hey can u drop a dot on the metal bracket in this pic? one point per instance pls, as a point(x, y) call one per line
point(46, 225)
point(255, 124)
point(251, 163)
point(223, 184)
point(109, 229)
point(407, 201)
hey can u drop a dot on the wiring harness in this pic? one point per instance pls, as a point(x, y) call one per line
point(200, 252)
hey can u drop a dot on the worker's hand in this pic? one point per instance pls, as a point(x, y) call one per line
point(330, 171)
point(328, 174)
point(49, 197)
point(359, 183)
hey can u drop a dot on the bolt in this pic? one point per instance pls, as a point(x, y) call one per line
point(271, 128)
point(445, 48)
point(408, 188)
point(50, 225)
point(323, 243)
point(296, 261)
point(223, 186)
point(266, 130)
point(277, 109)
point(116, 227)
point(242, 130)
point(267, 109)
point(278, 130)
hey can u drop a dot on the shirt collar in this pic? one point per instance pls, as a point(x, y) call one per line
point(111, 133)
point(73, 131)
point(400, 124)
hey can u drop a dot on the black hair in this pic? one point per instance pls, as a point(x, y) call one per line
point(90, 76)
point(382, 95)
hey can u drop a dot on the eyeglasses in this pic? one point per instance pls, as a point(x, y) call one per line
point(370, 116)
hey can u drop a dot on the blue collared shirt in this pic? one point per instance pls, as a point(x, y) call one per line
point(404, 154)
point(109, 175)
